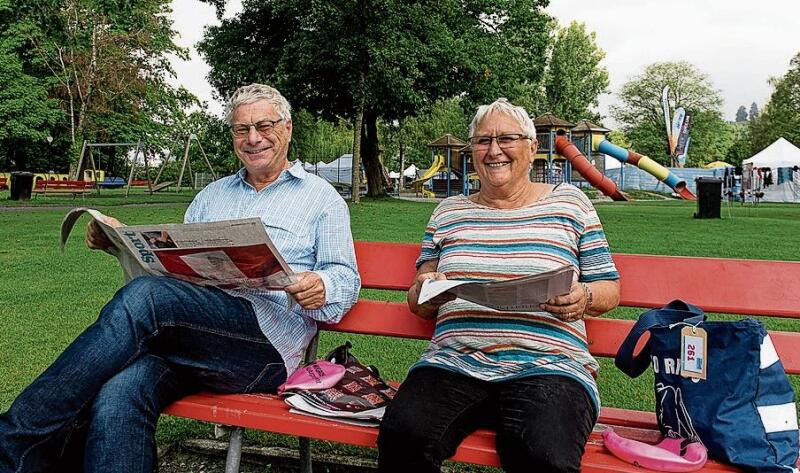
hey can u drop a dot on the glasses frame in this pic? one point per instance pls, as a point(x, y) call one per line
point(259, 126)
point(514, 138)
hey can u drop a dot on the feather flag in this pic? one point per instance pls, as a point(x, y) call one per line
point(675, 131)
point(665, 107)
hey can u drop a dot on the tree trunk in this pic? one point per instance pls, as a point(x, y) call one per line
point(376, 184)
point(358, 138)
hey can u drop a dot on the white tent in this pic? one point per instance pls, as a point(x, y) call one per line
point(339, 170)
point(780, 154)
point(411, 172)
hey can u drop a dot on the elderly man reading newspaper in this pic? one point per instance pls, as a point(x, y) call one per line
point(161, 338)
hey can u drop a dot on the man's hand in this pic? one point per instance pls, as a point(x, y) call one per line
point(96, 239)
point(308, 291)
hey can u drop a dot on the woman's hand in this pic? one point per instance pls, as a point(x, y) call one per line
point(572, 306)
point(429, 309)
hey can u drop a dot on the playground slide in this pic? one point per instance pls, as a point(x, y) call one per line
point(579, 162)
point(438, 164)
point(646, 164)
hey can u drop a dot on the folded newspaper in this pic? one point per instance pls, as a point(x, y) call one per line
point(522, 294)
point(226, 254)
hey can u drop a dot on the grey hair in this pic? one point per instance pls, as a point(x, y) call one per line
point(255, 92)
point(502, 105)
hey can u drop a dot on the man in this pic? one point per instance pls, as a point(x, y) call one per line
point(160, 339)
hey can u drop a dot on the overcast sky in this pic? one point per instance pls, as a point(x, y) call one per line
point(738, 44)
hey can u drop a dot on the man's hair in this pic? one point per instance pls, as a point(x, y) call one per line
point(502, 105)
point(255, 92)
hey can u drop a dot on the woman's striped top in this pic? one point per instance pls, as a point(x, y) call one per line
point(480, 243)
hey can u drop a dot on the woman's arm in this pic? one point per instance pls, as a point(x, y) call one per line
point(428, 310)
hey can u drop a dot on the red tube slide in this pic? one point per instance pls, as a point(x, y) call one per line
point(579, 162)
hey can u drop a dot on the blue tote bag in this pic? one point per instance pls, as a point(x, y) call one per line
point(744, 410)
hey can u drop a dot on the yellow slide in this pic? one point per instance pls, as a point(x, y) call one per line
point(437, 166)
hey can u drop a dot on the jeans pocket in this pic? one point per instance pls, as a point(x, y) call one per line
point(272, 376)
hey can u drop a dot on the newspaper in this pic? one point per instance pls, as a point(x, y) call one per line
point(227, 254)
point(523, 294)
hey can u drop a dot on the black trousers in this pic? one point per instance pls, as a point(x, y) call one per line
point(542, 422)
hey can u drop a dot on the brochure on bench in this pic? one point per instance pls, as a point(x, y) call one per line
point(522, 294)
point(226, 254)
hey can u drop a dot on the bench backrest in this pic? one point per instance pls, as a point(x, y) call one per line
point(736, 286)
point(43, 183)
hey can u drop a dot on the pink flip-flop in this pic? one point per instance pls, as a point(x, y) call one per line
point(321, 374)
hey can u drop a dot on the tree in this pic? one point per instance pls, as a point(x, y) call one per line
point(27, 115)
point(741, 114)
point(781, 115)
point(394, 57)
point(575, 79)
point(642, 118)
point(753, 112)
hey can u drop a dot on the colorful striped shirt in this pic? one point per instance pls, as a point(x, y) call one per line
point(310, 225)
point(480, 243)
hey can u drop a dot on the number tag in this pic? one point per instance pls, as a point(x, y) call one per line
point(694, 356)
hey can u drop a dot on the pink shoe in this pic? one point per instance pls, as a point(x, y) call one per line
point(666, 456)
point(320, 374)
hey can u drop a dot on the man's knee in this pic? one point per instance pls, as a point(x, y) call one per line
point(139, 299)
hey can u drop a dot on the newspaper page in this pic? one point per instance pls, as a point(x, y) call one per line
point(226, 254)
point(523, 294)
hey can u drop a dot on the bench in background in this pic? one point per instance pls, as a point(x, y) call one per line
point(45, 187)
point(736, 286)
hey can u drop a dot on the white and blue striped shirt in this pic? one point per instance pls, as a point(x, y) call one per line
point(310, 225)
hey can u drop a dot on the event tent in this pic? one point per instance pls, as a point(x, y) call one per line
point(780, 154)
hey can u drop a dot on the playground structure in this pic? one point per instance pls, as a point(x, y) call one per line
point(563, 147)
point(444, 179)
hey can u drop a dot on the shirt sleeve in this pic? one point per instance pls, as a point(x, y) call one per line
point(594, 255)
point(430, 249)
point(335, 264)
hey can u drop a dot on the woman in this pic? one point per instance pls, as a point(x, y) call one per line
point(528, 375)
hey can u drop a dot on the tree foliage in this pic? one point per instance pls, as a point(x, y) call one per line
point(642, 118)
point(741, 114)
point(103, 63)
point(575, 79)
point(781, 115)
point(753, 112)
point(396, 57)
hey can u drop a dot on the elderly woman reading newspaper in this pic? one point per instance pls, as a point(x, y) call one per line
point(529, 375)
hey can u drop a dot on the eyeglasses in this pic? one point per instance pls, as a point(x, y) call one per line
point(264, 127)
point(504, 141)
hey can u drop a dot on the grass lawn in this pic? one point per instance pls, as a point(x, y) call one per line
point(47, 298)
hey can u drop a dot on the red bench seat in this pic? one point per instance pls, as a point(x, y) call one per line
point(735, 286)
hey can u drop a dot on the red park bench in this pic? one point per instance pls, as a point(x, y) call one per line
point(736, 286)
point(3, 183)
point(45, 187)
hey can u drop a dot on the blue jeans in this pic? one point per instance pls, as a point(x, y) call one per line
point(542, 422)
point(157, 340)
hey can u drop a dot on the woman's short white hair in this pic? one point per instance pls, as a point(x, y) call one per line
point(502, 105)
point(255, 92)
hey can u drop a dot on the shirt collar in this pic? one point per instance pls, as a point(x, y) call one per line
point(296, 171)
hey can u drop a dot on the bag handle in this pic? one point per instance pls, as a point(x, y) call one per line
point(675, 312)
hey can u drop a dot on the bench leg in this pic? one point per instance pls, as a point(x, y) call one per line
point(234, 451)
point(305, 455)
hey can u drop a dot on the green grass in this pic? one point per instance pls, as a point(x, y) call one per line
point(47, 298)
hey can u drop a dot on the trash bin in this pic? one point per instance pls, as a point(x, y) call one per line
point(709, 197)
point(21, 185)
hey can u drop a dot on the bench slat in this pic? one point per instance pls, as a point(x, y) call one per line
point(393, 319)
point(736, 286)
point(269, 412)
